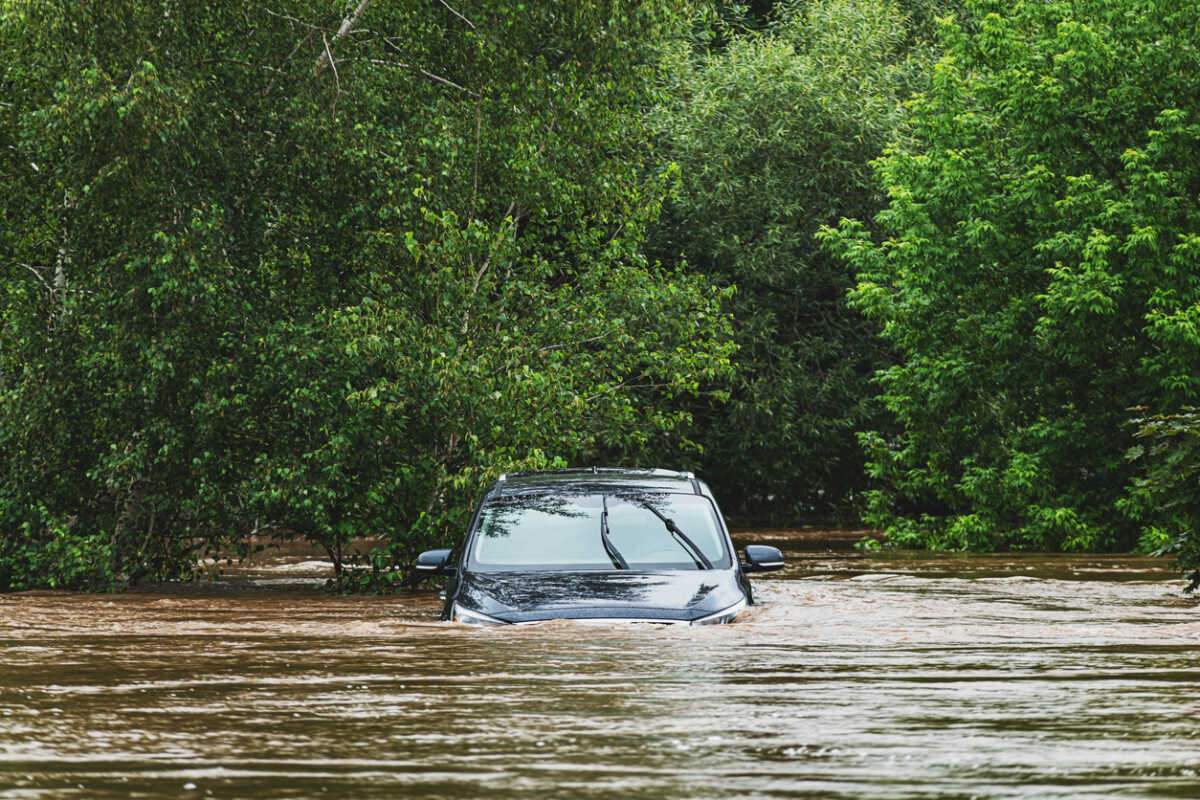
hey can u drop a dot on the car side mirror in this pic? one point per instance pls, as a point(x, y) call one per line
point(435, 562)
point(762, 558)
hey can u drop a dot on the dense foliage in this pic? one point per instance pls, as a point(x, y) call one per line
point(1167, 493)
point(774, 134)
point(1039, 272)
point(303, 270)
point(310, 269)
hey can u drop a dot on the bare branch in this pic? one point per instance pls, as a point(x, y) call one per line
point(564, 345)
point(292, 19)
point(460, 16)
point(337, 83)
point(347, 25)
point(440, 79)
point(478, 137)
point(39, 276)
point(332, 63)
point(270, 525)
point(426, 73)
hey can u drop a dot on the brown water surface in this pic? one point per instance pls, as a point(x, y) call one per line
point(897, 676)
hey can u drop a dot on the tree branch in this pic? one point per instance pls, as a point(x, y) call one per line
point(425, 72)
point(478, 137)
point(279, 69)
point(564, 345)
point(39, 276)
point(466, 324)
point(347, 25)
point(624, 385)
point(337, 82)
point(460, 16)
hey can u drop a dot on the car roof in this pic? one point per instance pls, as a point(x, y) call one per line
point(587, 477)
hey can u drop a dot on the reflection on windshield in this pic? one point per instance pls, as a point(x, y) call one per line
point(564, 531)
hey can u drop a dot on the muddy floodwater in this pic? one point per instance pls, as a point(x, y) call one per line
point(891, 676)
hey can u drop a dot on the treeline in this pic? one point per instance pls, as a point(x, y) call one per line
point(320, 270)
point(1037, 272)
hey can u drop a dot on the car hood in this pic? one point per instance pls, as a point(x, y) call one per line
point(675, 595)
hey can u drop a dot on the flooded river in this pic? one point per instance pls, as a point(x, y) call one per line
point(857, 677)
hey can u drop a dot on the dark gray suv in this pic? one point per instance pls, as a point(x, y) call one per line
point(597, 544)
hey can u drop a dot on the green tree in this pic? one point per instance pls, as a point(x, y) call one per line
point(1166, 494)
point(1037, 273)
point(313, 271)
point(774, 134)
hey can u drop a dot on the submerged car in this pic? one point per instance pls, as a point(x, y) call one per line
point(597, 544)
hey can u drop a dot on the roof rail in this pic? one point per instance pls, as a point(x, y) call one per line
point(594, 470)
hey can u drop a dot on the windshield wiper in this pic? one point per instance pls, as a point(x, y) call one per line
point(695, 552)
point(618, 560)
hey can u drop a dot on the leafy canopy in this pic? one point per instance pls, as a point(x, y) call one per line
point(1037, 272)
point(318, 270)
point(773, 135)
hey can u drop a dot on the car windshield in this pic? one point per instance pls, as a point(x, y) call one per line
point(563, 531)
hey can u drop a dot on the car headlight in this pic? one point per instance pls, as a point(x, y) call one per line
point(722, 616)
point(469, 617)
